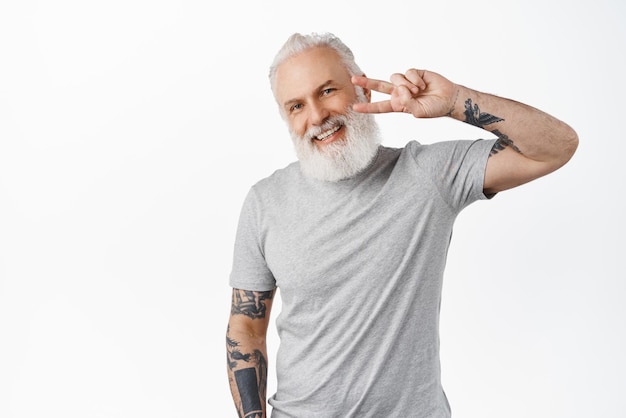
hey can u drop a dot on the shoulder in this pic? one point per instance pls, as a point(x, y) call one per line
point(280, 178)
point(278, 186)
point(416, 147)
point(454, 150)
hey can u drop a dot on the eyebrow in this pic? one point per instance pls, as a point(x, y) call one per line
point(321, 87)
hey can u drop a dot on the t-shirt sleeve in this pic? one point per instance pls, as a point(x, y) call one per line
point(249, 270)
point(457, 169)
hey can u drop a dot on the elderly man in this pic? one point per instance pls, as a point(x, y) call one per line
point(355, 235)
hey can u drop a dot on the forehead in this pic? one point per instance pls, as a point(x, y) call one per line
point(305, 72)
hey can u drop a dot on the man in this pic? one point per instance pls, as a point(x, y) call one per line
point(355, 235)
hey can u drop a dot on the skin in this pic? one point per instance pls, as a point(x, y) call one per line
point(246, 350)
point(314, 86)
point(530, 143)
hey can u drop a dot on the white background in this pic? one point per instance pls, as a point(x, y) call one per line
point(130, 132)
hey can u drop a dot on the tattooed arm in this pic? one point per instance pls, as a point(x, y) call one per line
point(530, 142)
point(246, 351)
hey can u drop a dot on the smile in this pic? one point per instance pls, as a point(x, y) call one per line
point(328, 133)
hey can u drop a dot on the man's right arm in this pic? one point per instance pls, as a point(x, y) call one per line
point(247, 351)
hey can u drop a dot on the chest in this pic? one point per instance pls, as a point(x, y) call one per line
point(318, 244)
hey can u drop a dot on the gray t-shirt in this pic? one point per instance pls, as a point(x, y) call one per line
point(359, 266)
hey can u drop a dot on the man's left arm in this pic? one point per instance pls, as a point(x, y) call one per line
point(530, 143)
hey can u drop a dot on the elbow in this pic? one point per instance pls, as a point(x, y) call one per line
point(570, 145)
point(564, 148)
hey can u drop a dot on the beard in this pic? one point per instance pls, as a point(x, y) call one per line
point(343, 158)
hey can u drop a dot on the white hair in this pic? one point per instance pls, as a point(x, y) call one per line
point(298, 43)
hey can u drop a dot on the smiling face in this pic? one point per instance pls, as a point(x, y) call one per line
point(315, 95)
point(312, 88)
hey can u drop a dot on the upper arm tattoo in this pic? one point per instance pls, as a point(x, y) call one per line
point(250, 303)
point(475, 117)
point(502, 142)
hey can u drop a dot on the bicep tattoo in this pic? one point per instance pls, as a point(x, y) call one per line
point(502, 142)
point(250, 303)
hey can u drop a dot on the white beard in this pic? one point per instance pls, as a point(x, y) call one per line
point(343, 158)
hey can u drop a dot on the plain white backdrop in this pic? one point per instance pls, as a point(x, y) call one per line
point(130, 132)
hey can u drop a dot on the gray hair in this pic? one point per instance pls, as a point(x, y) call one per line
point(298, 43)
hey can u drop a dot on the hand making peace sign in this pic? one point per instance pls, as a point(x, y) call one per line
point(424, 94)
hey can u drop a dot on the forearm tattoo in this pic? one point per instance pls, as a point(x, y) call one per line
point(251, 381)
point(250, 303)
point(249, 392)
point(456, 97)
point(475, 117)
point(233, 354)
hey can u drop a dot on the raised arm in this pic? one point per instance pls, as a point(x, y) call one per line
point(530, 142)
point(246, 351)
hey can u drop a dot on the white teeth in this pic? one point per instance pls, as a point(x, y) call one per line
point(328, 133)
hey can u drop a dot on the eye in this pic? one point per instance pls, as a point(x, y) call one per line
point(327, 91)
point(295, 107)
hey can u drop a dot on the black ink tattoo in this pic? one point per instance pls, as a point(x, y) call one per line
point(252, 385)
point(501, 143)
point(249, 392)
point(251, 382)
point(473, 116)
point(262, 366)
point(250, 303)
point(453, 104)
point(233, 354)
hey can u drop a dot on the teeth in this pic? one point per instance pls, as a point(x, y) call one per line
point(328, 133)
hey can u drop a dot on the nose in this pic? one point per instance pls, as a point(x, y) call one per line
point(318, 113)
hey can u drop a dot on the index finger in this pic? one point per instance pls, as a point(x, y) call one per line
point(372, 84)
point(376, 107)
